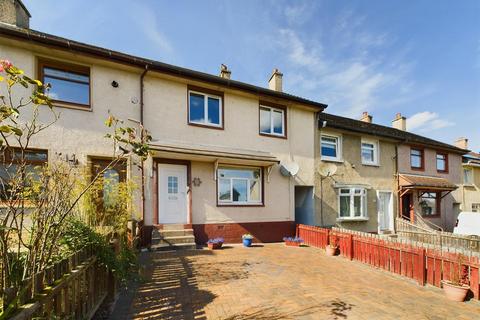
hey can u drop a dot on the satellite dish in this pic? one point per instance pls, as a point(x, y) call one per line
point(289, 169)
point(327, 170)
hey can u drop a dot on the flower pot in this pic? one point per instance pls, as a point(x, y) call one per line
point(292, 243)
point(247, 242)
point(214, 246)
point(331, 251)
point(455, 292)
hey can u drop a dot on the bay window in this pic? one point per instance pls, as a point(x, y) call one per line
point(239, 186)
point(352, 204)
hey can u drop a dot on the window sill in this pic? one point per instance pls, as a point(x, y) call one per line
point(371, 165)
point(332, 160)
point(208, 126)
point(241, 205)
point(352, 219)
point(74, 106)
point(272, 135)
point(431, 216)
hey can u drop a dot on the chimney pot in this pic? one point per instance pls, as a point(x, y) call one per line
point(462, 143)
point(366, 117)
point(224, 72)
point(275, 82)
point(400, 122)
point(15, 13)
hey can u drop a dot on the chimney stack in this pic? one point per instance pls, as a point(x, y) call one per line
point(366, 117)
point(15, 13)
point(224, 72)
point(462, 143)
point(275, 82)
point(400, 122)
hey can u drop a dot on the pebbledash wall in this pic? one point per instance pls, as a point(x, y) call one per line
point(351, 172)
point(166, 98)
point(81, 132)
point(450, 204)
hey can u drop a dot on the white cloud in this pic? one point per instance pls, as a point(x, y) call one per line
point(427, 121)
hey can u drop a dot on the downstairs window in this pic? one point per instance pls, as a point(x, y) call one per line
point(239, 186)
point(352, 204)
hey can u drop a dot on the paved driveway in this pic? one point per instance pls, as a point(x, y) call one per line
point(278, 282)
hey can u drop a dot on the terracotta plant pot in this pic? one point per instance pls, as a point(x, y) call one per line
point(331, 251)
point(292, 243)
point(214, 246)
point(455, 292)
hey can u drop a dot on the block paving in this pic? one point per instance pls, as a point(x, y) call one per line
point(272, 281)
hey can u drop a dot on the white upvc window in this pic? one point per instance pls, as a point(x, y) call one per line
point(475, 207)
point(331, 147)
point(352, 204)
point(467, 176)
point(272, 121)
point(204, 109)
point(369, 152)
point(239, 186)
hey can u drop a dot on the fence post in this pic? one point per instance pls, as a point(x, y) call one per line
point(350, 244)
point(421, 266)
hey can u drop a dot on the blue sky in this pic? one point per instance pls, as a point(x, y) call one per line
point(420, 58)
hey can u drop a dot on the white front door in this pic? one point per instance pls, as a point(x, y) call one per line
point(385, 210)
point(172, 194)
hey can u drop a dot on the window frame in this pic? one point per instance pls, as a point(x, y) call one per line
point(207, 93)
point(422, 160)
point(339, 146)
point(67, 67)
point(475, 204)
point(445, 159)
point(438, 200)
point(231, 203)
point(351, 194)
point(273, 107)
point(471, 176)
point(376, 152)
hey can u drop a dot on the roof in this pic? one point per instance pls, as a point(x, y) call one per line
point(338, 122)
point(412, 181)
point(41, 38)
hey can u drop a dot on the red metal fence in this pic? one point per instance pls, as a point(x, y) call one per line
point(424, 264)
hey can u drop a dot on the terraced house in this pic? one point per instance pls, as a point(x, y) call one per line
point(380, 173)
point(217, 143)
point(470, 188)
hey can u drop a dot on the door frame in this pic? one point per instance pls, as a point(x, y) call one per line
point(391, 214)
point(156, 196)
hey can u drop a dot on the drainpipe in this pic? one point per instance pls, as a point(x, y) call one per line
point(142, 166)
point(399, 214)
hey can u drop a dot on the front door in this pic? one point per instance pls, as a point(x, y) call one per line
point(172, 194)
point(385, 211)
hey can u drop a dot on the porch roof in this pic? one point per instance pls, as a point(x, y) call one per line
point(412, 181)
point(210, 153)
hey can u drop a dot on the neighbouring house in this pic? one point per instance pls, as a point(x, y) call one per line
point(355, 185)
point(470, 188)
point(369, 174)
point(228, 157)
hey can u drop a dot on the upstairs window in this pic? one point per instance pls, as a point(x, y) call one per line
point(369, 152)
point(331, 147)
point(205, 109)
point(467, 176)
point(416, 159)
point(442, 162)
point(272, 121)
point(475, 207)
point(352, 203)
point(69, 84)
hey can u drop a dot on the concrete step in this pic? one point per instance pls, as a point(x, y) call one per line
point(179, 246)
point(173, 227)
point(174, 240)
point(175, 233)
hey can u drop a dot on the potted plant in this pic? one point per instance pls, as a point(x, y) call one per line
point(247, 240)
point(215, 243)
point(293, 241)
point(457, 287)
point(332, 248)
